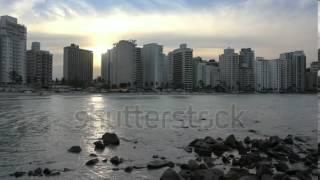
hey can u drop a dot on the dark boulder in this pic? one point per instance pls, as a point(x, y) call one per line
point(288, 139)
point(249, 177)
point(193, 165)
point(219, 148)
point(236, 173)
point(247, 140)
point(93, 155)
point(157, 164)
point(115, 160)
point(92, 162)
point(170, 174)
point(281, 167)
point(75, 149)
point(110, 139)
point(99, 145)
point(18, 174)
point(274, 141)
point(128, 169)
point(264, 168)
point(47, 172)
point(231, 141)
point(38, 172)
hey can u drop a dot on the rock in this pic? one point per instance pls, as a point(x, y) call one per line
point(281, 176)
point(188, 149)
point(274, 141)
point(115, 160)
point(30, 173)
point(18, 174)
point(235, 174)
point(157, 164)
point(219, 148)
point(203, 151)
point(128, 169)
point(266, 177)
point(193, 165)
point(155, 156)
point(93, 155)
point(281, 166)
point(105, 160)
point(206, 174)
point(241, 149)
point(225, 160)
point(54, 173)
point(316, 172)
point(209, 161)
point(209, 140)
point(46, 172)
point(186, 174)
point(66, 169)
point(203, 166)
point(110, 139)
point(99, 145)
point(75, 149)
point(170, 174)
point(263, 169)
point(288, 139)
point(92, 162)
point(249, 177)
point(231, 141)
point(252, 131)
point(37, 172)
point(115, 169)
point(247, 140)
point(300, 139)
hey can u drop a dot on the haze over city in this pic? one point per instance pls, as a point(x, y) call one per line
point(268, 26)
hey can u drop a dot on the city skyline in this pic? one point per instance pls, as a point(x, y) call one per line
point(208, 27)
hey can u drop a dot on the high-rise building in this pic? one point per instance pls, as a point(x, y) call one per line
point(229, 70)
point(214, 71)
point(198, 72)
point(12, 50)
point(296, 66)
point(169, 69)
point(315, 66)
point(311, 83)
point(105, 67)
point(77, 64)
point(182, 68)
point(122, 65)
point(153, 63)
point(262, 72)
point(39, 66)
point(246, 70)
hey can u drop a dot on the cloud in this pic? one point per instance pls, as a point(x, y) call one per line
point(268, 26)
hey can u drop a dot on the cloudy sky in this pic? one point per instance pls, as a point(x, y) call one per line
point(208, 26)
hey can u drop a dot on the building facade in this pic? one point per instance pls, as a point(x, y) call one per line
point(296, 66)
point(246, 70)
point(262, 72)
point(229, 70)
point(153, 63)
point(13, 39)
point(122, 65)
point(182, 68)
point(39, 66)
point(77, 65)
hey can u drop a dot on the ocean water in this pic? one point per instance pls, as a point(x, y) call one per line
point(37, 131)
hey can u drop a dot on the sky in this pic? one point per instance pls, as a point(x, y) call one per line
point(270, 27)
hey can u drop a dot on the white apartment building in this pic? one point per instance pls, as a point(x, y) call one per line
point(13, 39)
point(153, 63)
point(183, 67)
point(122, 65)
point(229, 70)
